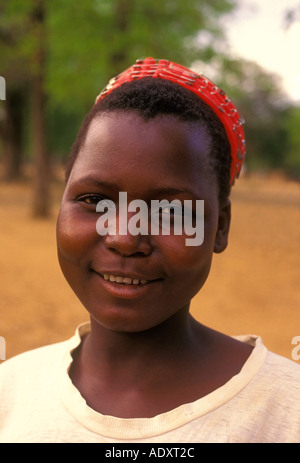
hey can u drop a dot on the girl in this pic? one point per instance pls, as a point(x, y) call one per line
point(143, 370)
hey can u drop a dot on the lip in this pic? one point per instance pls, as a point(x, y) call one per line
point(134, 275)
point(124, 290)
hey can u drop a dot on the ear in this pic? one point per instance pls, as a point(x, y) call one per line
point(221, 240)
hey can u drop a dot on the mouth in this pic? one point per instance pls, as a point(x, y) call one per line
point(124, 280)
point(127, 286)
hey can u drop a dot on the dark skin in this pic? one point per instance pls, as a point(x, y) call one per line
point(145, 354)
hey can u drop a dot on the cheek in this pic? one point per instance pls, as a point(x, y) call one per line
point(75, 237)
point(189, 265)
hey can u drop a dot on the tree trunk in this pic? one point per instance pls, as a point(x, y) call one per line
point(118, 57)
point(41, 188)
point(12, 134)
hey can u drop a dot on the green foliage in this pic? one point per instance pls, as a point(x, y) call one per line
point(89, 42)
point(265, 108)
point(292, 160)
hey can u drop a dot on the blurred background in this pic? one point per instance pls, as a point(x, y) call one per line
point(57, 56)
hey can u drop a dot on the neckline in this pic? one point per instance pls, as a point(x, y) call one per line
point(141, 428)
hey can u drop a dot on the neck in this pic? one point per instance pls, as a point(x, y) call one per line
point(165, 342)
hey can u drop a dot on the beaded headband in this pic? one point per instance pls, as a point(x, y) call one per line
point(201, 86)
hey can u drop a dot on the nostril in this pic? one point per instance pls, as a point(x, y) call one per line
point(126, 253)
point(129, 245)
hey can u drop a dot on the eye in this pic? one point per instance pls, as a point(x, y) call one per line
point(90, 200)
point(167, 214)
point(172, 210)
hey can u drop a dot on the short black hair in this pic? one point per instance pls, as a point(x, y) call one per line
point(151, 97)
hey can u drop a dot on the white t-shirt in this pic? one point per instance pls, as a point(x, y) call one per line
point(40, 404)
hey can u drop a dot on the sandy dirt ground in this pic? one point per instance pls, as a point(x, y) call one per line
point(254, 286)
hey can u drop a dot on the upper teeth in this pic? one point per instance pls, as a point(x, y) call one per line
point(126, 280)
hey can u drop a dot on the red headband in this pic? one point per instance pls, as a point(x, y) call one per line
point(201, 86)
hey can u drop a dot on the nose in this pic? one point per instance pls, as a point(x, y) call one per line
point(128, 244)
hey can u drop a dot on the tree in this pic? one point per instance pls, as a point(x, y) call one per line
point(104, 37)
point(265, 108)
point(23, 46)
point(41, 199)
point(292, 161)
point(14, 67)
point(65, 53)
point(11, 132)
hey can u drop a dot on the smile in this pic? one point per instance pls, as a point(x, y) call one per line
point(127, 286)
point(123, 280)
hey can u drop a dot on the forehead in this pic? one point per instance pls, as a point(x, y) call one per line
point(123, 147)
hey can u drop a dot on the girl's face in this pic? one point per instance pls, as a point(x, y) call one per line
point(163, 158)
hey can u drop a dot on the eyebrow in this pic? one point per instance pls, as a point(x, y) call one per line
point(159, 191)
point(92, 180)
point(170, 191)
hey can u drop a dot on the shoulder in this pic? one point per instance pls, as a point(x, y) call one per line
point(276, 381)
point(31, 363)
point(274, 405)
point(29, 392)
point(270, 367)
point(34, 361)
point(38, 365)
point(281, 373)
